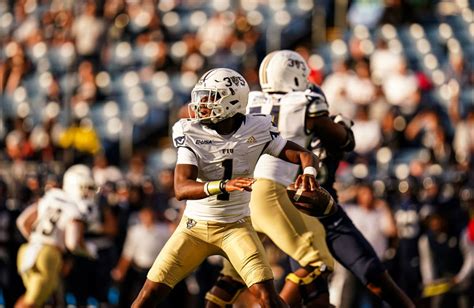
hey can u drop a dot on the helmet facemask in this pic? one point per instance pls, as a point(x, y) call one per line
point(206, 105)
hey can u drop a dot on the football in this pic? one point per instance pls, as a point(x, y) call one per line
point(317, 203)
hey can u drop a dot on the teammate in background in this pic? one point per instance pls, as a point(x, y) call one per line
point(217, 154)
point(52, 226)
point(90, 278)
point(300, 236)
point(301, 112)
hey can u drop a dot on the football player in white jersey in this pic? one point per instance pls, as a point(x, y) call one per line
point(301, 114)
point(217, 154)
point(52, 226)
point(91, 277)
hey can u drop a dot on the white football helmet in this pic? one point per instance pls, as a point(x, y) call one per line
point(283, 71)
point(219, 94)
point(78, 182)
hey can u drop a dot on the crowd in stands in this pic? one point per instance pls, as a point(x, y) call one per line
point(100, 82)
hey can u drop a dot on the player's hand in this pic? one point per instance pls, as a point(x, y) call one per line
point(239, 184)
point(307, 182)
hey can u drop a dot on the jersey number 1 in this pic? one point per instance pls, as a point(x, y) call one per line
point(227, 164)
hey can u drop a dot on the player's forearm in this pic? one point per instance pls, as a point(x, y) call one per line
point(334, 134)
point(293, 153)
point(189, 190)
point(185, 185)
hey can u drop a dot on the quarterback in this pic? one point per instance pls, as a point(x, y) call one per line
point(51, 226)
point(217, 153)
point(301, 113)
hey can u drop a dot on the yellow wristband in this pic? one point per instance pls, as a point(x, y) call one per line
point(213, 188)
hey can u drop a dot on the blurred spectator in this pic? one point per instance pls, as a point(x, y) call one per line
point(103, 172)
point(426, 128)
point(384, 62)
point(18, 145)
point(440, 260)
point(463, 280)
point(165, 193)
point(10, 283)
point(393, 125)
point(136, 173)
point(143, 243)
point(334, 86)
point(18, 148)
point(367, 133)
point(87, 30)
point(86, 90)
point(401, 88)
point(375, 221)
point(216, 31)
point(408, 220)
point(459, 69)
point(367, 13)
point(463, 143)
point(32, 190)
point(13, 68)
point(41, 141)
point(360, 88)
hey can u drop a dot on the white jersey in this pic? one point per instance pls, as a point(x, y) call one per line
point(289, 113)
point(55, 210)
point(224, 157)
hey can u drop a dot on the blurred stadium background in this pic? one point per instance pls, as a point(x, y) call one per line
point(101, 83)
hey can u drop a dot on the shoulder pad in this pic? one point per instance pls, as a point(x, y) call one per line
point(261, 121)
point(261, 127)
point(313, 96)
point(317, 103)
point(179, 129)
point(58, 195)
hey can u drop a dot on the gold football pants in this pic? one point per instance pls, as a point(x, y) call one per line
point(300, 236)
point(195, 240)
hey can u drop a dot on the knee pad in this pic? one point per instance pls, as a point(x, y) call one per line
point(312, 285)
point(230, 286)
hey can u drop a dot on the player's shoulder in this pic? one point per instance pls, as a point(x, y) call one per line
point(260, 126)
point(183, 128)
point(58, 199)
point(183, 125)
point(295, 98)
point(258, 120)
point(315, 92)
point(58, 195)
